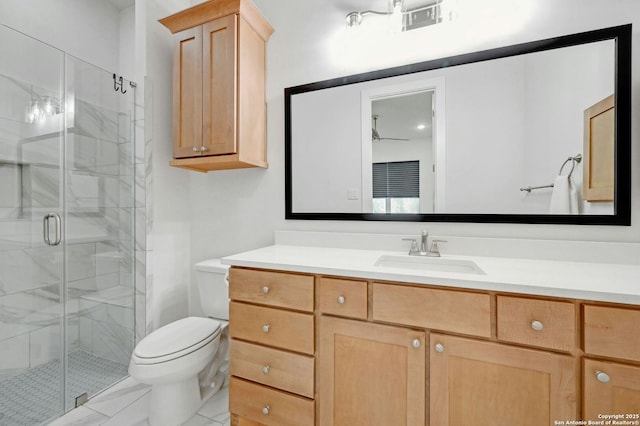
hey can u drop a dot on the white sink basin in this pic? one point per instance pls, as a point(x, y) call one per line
point(429, 264)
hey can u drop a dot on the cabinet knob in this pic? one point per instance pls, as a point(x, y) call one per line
point(341, 300)
point(537, 325)
point(265, 369)
point(203, 148)
point(602, 377)
point(439, 347)
point(266, 328)
point(195, 149)
point(265, 410)
point(416, 343)
point(265, 289)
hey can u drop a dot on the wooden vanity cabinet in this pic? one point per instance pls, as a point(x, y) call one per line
point(347, 351)
point(371, 374)
point(474, 382)
point(219, 111)
point(272, 348)
point(611, 387)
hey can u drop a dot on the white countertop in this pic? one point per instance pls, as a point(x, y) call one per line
point(579, 280)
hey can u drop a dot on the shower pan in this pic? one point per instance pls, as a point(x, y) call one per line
point(66, 229)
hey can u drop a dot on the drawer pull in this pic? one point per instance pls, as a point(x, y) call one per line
point(265, 289)
point(439, 347)
point(416, 343)
point(265, 328)
point(602, 377)
point(537, 325)
point(341, 300)
point(265, 410)
point(265, 369)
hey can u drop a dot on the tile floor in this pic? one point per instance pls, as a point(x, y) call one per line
point(127, 404)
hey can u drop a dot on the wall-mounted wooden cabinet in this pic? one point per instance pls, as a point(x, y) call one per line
point(599, 151)
point(219, 111)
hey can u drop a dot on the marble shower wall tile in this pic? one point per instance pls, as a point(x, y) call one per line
point(29, 269)
point(40, 187)
point(81, 261)
point(39, 308)
point(112, 342)
point(45, 345)
point(96, 122)
point(14, 355)
point(41, 150)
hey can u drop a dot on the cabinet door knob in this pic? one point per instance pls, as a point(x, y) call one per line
point(602, 377)
point(266, 328)
point(341, 300)
point(265, 289)
point(265, 410)
point(416, 343)
point(265, 369)
point(203, 148)
point(537, 325)
point(439, 347)
point(195, 149)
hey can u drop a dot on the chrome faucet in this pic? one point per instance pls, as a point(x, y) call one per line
point(423, 238)
point(433, 251)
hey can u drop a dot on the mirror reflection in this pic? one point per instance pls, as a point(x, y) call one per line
point(529, 134)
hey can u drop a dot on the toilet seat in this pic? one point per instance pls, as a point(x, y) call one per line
point(176, 340)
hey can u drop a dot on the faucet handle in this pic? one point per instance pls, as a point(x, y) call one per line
point(434, 246)
point(414, 245)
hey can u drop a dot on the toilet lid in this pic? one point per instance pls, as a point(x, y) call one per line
point(177, 337)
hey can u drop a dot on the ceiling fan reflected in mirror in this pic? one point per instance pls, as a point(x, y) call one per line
point(375, 136)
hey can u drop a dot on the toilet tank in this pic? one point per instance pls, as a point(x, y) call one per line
point(212, 277)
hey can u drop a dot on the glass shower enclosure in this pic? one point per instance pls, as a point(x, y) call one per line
point(66, 229)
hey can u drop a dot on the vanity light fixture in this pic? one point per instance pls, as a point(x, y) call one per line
point(401, 19)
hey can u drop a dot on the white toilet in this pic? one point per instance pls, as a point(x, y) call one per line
point(182, 360)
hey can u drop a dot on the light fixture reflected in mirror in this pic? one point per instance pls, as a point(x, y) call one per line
point(401, 19)
point(42, 107)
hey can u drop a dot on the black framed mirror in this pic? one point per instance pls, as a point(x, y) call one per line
point(538, 132)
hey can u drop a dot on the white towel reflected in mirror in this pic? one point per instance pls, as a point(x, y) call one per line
point(564, 198)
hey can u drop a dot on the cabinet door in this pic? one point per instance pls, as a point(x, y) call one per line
point(187, 94)
point(219, 85)
point(611, 388)
point(371, 374)
point(476, 382)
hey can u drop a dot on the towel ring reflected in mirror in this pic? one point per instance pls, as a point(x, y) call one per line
point(574, 160)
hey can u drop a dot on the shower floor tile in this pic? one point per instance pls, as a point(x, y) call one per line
point(32, 397)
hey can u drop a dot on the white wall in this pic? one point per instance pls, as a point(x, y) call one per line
point(554, 130)
point(88, 30)
point(238, 210)
point(167, 196)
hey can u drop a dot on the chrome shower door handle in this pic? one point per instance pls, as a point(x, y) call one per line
point(45, 229)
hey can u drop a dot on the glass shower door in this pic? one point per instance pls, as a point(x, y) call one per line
point(31, 244)
point(99, 195)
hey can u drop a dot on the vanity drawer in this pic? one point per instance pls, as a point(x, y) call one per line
point(446, 310)
point(269, 406)
point(280, 289)
point(347, 298)
point(272, 327)
point(545, 323)
point(279, 369)
point(612, 332)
